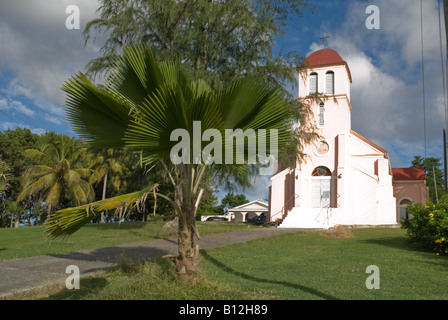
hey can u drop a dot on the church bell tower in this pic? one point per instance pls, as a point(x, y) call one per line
point(325, 86)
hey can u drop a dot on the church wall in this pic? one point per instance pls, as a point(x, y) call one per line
point(367, 164)
point(277, 195)
point(364, 198)
point(361, 148)
point(386, 205)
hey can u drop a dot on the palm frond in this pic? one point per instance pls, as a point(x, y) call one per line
point(135, 75)
point(97, 115)
point(67, 221)
point(95, 177)
point(33, 173)
point(36, 156)
point(84, 173)
point(43, 183)
point(52, 196)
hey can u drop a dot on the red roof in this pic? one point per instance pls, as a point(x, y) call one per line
point(408, 174)
point(324, 57)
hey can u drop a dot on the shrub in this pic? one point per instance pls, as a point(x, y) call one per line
point(428, 225)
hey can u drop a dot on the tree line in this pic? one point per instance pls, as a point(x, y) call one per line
point(40, 174)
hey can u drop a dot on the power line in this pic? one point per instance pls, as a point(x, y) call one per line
point(443, 67)
point(27, 120)
point(423, 74)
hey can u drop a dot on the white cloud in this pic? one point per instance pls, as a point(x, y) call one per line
point(259, 189)
point(4, 104)
point(53, 119)
point(23, 109)
point(38, 131)
point(13, 125)
point(16, 105)
point(41, 53)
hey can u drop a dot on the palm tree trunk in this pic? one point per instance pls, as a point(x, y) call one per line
point(104, 196)
point(187, 260)
point(188, 256)
point(17, 219)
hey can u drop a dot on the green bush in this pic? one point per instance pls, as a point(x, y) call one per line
point(428, 225)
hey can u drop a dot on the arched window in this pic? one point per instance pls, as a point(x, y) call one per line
point(329, 82)
point(321, 120)
point(321, 172)
point(313, 83)
point(402, 209)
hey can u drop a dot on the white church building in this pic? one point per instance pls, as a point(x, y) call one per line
point(345, 178)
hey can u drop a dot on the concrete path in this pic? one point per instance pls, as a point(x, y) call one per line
point(28, 273)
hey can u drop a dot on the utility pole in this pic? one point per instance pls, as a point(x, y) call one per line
point(444, 159)
point(435, 183)
point(445, 11)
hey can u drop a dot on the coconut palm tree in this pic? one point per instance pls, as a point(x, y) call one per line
point(107, 169)
point(57, 175)
point(4, 176)
point(141, 105)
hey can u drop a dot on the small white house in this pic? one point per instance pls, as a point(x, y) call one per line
point(248, 211)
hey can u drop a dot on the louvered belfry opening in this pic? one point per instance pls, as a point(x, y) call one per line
point(313, 83)
point(329, 82)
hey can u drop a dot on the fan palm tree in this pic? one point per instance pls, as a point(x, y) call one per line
point(141, 104)
point(56, 175)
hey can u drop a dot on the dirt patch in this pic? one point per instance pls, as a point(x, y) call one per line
point(337, 232)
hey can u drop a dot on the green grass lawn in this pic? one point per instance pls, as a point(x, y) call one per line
point(302, 265)
point(311, 266)
point(32, 241)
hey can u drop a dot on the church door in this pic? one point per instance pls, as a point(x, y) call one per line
point(321, 193)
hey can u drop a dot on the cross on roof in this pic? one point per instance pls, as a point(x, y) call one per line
point(325, 37)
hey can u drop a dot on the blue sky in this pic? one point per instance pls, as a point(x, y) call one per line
point(38, 53)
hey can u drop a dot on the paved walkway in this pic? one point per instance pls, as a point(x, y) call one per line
point(24, 274)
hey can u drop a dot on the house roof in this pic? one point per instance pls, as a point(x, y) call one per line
point(369, 142)
point(407, 174)
point(256, 205)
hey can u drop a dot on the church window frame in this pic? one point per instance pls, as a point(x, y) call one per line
point(321, 171)
point(324, 181)
point(321, 115)
point(329, 82)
